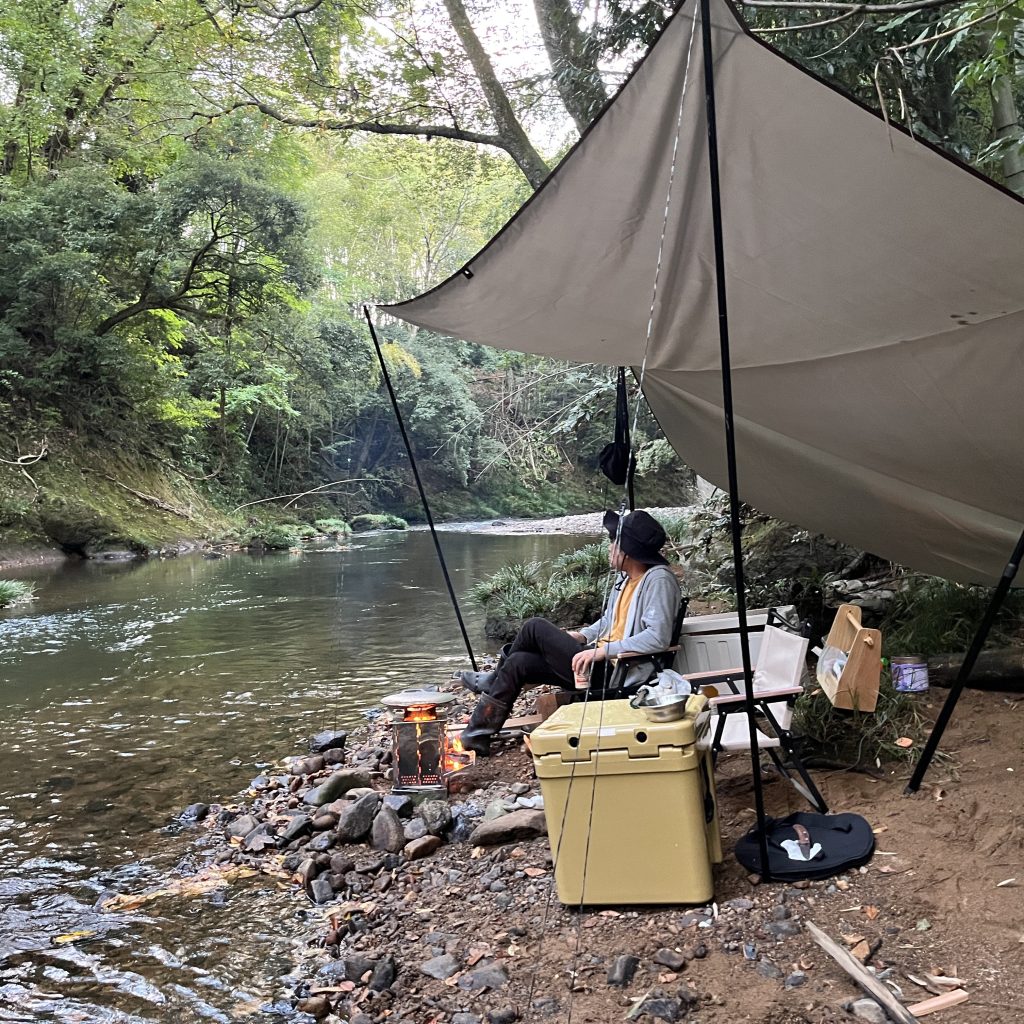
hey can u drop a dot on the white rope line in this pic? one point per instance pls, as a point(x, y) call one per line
point(664, 225)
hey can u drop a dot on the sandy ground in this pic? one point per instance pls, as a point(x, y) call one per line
point(930, 901)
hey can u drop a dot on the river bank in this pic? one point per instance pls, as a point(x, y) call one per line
point(447, 912)
point(20, 556)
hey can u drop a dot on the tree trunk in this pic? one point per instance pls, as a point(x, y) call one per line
point(509, 128)
point(573, 61)
point(1001, 669)
point(1006, 124)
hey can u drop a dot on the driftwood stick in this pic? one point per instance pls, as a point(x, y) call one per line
point(860, 974)
point(947, 999)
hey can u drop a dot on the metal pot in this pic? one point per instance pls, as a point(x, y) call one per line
point(668, 707)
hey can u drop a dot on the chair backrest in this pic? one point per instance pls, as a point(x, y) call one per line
point(677, 626)
point(711, 642)
point(781, 661)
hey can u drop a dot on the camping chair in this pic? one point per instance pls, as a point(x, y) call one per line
point(777, 680)
point(614, 686)
point(618, 669)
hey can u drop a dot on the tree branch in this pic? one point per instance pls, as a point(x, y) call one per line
point(331, 124)
point(852, 8)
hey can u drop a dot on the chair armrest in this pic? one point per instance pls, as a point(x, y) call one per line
point(634, 656)
point(764, 697)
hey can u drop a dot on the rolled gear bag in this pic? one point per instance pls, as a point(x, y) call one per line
point(809, 845)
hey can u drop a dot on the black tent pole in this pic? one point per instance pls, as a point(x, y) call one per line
point(419, 486)
point(730, 437)
point(966, 668)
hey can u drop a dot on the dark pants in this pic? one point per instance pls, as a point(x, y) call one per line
point(540, 654)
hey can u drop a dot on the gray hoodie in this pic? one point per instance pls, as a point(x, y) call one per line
point(652, 614)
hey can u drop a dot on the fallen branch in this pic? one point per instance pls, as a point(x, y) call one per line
point(27, 460)
point(860, 974)
point(149, 499)
point(301, 494)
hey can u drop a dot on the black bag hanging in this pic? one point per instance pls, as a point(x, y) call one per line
point(806, 845)
point(616, 459)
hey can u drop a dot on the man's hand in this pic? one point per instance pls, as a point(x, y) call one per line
point(583, 664)
point(576, 635)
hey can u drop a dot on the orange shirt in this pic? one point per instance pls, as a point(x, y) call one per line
point(618, 630)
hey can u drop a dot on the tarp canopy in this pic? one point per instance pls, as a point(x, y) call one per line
point(875, 299)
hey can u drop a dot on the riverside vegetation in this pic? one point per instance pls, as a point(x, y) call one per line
point(196, 199)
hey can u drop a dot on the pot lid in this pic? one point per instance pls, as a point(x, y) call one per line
point(415, 698)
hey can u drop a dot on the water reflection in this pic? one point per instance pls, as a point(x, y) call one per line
point(131, 691)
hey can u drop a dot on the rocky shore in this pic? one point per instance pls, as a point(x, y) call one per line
point(444, 911)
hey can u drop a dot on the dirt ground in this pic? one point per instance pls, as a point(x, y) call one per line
point(930, 901)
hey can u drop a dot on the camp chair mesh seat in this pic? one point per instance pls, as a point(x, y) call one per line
point(777, 682)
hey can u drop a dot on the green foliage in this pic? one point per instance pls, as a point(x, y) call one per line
point(860, 739)
point(569, 590)
point(15, 592)
point(281, 537)
point(380, 521)
point(333, 527)
point(590, 563)
point(933, 616)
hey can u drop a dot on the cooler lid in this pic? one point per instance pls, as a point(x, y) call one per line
point(575, 731)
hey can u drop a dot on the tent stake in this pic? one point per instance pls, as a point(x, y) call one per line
point(419, 487)
point(730, 438)
point(966, 668)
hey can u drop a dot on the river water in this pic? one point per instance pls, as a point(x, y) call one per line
point(131, 691)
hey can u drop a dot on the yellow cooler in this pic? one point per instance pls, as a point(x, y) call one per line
point(630, 804)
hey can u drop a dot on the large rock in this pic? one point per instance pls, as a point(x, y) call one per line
point(322, 890)
point(259, 838)
point(337, 785)
point(329, 740)
point(415, 829)
point(387, 832)
point(509, 828)
point(436, 815)
point(420, 848)
point(357, 819)
point(440, 967)
point(401, 804)
point(242, 825)
point(298, 826)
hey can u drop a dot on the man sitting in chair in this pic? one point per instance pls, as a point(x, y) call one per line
point(638, 619)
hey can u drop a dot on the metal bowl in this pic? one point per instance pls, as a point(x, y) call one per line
point(669, 707)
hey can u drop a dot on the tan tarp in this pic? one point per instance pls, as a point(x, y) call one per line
point(875, 297)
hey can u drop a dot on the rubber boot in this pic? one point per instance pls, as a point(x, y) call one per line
point(479, 682)
point(487, 719)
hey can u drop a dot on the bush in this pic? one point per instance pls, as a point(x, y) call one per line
point(933, 616)
point(384, 521)
point(280, 537)
point(859, 739)
point(333, 527)
point(305, 532)
point(15, 592)
point(569, 591)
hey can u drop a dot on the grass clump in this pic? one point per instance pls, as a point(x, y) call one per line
point(333, 527)
point(860, 739)
point(15, 592)
point(280, 537)
point(933, 616)
point(569, 590)
point(381, 521)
